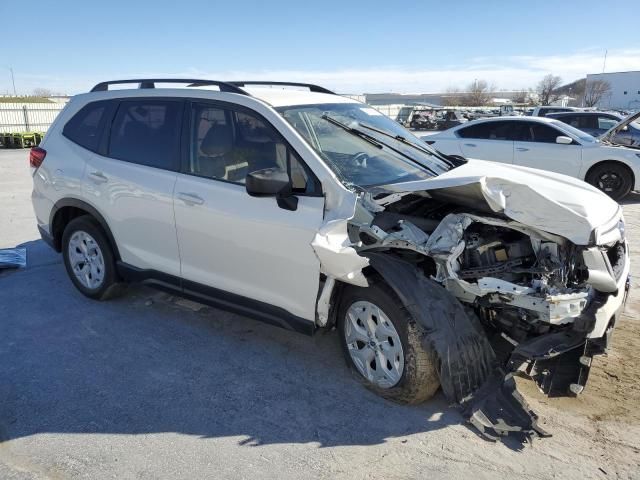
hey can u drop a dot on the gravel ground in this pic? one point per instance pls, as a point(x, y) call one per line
point(152, 386)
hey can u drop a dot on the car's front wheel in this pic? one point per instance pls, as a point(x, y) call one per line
point(613, 178)
point(382, 343)
point(89, 259)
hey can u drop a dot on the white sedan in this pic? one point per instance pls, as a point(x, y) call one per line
point(547, 144)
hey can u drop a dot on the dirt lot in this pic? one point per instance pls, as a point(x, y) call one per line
point(150, 386)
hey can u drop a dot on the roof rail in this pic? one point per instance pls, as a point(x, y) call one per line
point(150, 83)
point(311, 87)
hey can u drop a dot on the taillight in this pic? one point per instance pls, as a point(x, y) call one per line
point(36, 157)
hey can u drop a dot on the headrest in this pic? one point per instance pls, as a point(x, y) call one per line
point(218, 141)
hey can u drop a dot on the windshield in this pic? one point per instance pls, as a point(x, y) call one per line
point(363, 146)
point(584, 137)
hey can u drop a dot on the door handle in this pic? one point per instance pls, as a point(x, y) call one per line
point(469, 144)
point(98, 177)
point(522, 149)
point(190, 198)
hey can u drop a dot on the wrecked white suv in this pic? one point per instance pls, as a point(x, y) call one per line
point(309, 210)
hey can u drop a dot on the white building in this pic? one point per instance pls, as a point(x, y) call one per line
point(625, 90)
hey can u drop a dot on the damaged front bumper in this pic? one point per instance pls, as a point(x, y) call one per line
point(559, 362)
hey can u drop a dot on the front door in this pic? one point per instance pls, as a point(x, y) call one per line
point(231, 241)
point(535, 146)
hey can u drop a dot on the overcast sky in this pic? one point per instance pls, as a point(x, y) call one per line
point(354, 47)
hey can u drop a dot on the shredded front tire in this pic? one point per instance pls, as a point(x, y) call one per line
point(378, 336)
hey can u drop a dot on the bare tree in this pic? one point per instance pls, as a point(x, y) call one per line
point(547, 87)
point(594, 91)
point(521, 96)
point(478, 94)
point(41, 92)
point(452, 97)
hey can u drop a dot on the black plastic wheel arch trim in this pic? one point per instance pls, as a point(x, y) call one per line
point(76, 203)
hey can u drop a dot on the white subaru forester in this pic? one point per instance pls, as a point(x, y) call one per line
point(308, 210)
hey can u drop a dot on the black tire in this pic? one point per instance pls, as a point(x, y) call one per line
point(419, 379)
point(110, 286)
point(613, 178)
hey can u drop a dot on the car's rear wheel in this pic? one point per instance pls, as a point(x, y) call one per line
point(383, 344)
point(89, 260)
point(613, 178)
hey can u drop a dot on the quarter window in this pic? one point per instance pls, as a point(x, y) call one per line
point(228, 144)
point(147, 132)
point(84, 128)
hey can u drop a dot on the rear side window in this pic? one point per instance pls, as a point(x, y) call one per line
point(147, 132)
point(585, 121)
point(487, 131)
point(85, 127)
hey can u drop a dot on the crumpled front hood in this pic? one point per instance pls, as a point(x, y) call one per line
point(544, 200)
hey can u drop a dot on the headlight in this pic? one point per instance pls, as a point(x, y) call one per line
point(621, 228)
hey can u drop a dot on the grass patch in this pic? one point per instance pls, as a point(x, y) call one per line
point(24, 100)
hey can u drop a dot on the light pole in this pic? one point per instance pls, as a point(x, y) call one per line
point(13, 81)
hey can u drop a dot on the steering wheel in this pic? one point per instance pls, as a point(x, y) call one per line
point(360, 159)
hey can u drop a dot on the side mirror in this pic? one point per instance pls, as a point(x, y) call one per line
point(272, 182)
point(563, 140)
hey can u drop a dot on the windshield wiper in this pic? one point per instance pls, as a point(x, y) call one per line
point(374, 141)
point(403, 140)
point(353, 131)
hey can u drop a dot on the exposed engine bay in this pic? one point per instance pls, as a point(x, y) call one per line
point(535, 293)
point(522, 282)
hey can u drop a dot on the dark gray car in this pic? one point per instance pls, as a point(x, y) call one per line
point(598, 123)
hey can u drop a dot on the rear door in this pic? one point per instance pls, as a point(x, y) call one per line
point(233, 242)
point(535, 146)
point(131, 180)
point(487, 141)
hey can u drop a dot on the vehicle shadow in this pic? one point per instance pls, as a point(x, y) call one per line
point(631, 199)
point(148, 363)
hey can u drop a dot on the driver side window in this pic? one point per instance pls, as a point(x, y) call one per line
point(227, 145)
point(536, 132)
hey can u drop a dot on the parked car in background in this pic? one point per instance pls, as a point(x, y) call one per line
point(624, 134)
point(593, 123)
point(542, 111)
point(446, 119)
point(423, 120)
point(599, 123)
point(547, 144)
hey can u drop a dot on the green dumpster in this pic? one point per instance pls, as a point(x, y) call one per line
point(28, 139)
point(17, 140)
